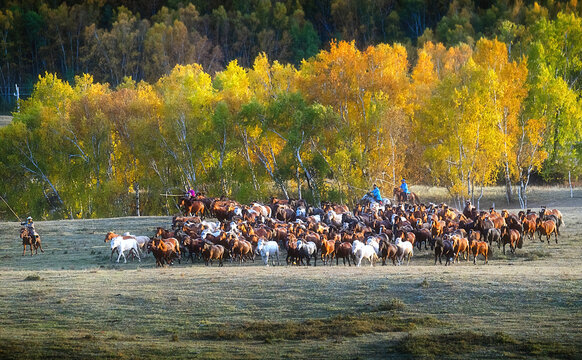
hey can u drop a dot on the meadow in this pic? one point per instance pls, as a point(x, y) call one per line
point(73, 302)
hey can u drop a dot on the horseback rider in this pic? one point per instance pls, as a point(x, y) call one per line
point(404, 187)
point(30, 228)
point(376, 194)
point(191, 194)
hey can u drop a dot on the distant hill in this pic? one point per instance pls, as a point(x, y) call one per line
point(5, 120)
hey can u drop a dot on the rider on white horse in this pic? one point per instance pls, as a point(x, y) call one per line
point(376, 194)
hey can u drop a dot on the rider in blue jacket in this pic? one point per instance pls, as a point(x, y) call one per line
point(376, 193)
point(404, 187)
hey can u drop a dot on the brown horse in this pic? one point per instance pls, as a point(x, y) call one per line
point(343, 250)
point(194, 247)
point(529, 227)
point(211, 252)
point(192, 207)
point(387, 251)
point(511, 237)
point(480, 248)
point(547, 228)
point(28, 240)
point(401, 197)
point(460, 245)
point(163, 252)
point(327, 251)
point(164, 234)
point(553, 214)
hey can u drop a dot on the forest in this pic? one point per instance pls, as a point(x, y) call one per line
point(124, 103)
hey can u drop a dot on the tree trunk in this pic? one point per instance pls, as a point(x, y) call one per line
point(507, 183)
point(137, 211)
point(479, 199)
point(298, 183)
point(570, 182)
point(310, 181)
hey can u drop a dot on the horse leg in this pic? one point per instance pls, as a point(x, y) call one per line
point(40, 246)
point(556, 236)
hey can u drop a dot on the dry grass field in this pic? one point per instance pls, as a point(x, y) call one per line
point(5, 120)
point(73, 302)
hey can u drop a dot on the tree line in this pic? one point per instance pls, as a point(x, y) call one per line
point(461, 117)
point(112, 39)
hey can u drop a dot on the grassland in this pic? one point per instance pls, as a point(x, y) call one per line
point(72, 302)
point(5, 120)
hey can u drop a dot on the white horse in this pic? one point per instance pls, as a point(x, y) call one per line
point(215, 233)
point(333, 218)
point(307, 250)
point(210, 225)
point(361, 251)
point(142, 241)
point(265, 211)
point(266, 249)
point(405, 248)
point(238, 211)
point(301, 211)
point(124, 243)
point(375, 243)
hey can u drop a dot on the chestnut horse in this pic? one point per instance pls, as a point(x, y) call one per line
point(547, 228)
point(31, 241)
point(192, 207)
point(480, 248)
point(327, 251)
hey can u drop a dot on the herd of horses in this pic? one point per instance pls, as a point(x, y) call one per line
point(371, 231)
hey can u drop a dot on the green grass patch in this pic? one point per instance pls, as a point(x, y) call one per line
point(312, 329)
point(473, 342)
point(393, 304)
point(34, 277)
point(535, 255)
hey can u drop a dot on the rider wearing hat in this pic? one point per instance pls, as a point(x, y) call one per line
point(30, 227)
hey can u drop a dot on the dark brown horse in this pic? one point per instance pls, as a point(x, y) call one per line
point(387, 251)
point(343, 250)
point(511, 237)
